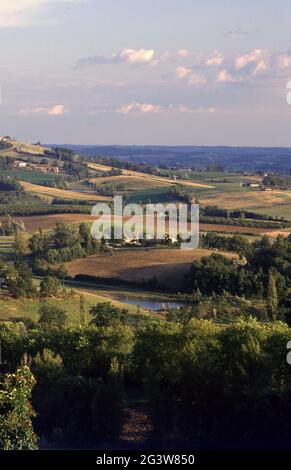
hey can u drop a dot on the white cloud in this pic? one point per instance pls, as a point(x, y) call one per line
point(216, 59)
point(147, 108)
point(225, 76)
point(197, 69)
point(261, 66)
point(128, 56)
point(252, 57)
point(183, 72)
point(175, 55)
point(247, 66)
point(136, 57)
point(139, 108)
point(284, 61)
point(15, 13)
point(183, 53)
point(192, 78)
point(56, 110)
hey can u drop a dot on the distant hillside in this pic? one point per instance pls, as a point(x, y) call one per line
point(231, 158)
point(13, 148)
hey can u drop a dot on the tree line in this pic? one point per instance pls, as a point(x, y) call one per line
point(203, 386)
point(63, 244)
point(264, 271)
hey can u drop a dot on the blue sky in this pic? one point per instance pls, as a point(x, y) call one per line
point(186, 72)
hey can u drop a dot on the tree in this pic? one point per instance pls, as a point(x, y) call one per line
point(272, 297)
point(52, 316)
point(10, 226)
point(38, 243)
point(50, 286)
point(47, 366)
point(64, 236)
point(21, 243)
point(105, 314)
point(16, 431)
point(20, 282)
point(85, 233)
point(107, 405)
point(82, 310)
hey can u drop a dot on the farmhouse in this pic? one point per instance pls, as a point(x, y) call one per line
point(250, 184)
point(45, 168)
point(132, 241)
point(20, 164)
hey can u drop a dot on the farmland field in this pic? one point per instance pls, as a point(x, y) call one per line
point(232, 229)
point(61, 193)
point(6, 247)
point(47, 222)
point(132, 183)
point(139, 181)
point(30, 176)
point(154, 195)
point(169, 265)
point(17, 149)
point(232, 196)
point(99, 167)
point(278, 210)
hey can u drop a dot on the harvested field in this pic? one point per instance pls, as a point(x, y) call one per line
point(275, 233)
point(167, 181)
point(168, 265)
point(47, 222)
point(61, 193)
point(244, 199)
point(18, 149)
point(139, 181)
point(132, 183)
point(233, 229)
point(99, 167)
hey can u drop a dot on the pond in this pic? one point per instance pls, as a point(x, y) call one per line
point(154, 305)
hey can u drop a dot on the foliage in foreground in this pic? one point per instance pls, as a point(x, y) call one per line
point(16, 431)
point(206, 386)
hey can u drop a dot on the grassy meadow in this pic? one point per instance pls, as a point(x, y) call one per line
point(15, 308)
point(30, 176)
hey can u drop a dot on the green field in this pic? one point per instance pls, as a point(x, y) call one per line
point(280, 210)
point(154, 195)
point(75, 185)
point(14, 308)
point(6, 247)
point(31, 176)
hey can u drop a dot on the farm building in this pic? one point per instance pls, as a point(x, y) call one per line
point(20, 164)
point(45, 168)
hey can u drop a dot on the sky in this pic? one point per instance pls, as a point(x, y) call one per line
point(156, 72)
